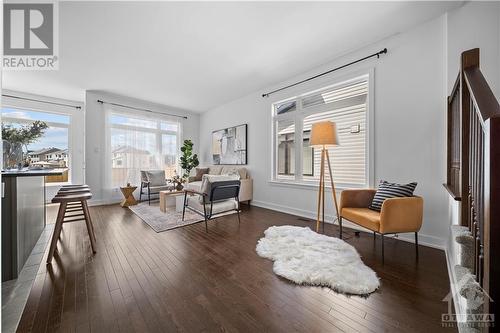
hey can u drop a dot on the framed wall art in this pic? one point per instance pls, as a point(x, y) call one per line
point(229, 145)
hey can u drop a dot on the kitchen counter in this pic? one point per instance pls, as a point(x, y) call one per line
point(23, 216)
point(32, 173)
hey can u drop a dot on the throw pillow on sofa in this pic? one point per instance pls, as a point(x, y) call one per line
point(233, 170)
point(215, 170)
point(199, 173)
point(388, 190)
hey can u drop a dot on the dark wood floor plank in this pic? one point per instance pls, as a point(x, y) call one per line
point(61, 277)
point(68, 258)
point(144, 304)
point(133, 313)
point(145, 278)
point(188, 280)
point(179, 302)
point(82, 318)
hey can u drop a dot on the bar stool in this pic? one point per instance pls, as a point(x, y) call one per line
point(72, 207)
point(71, 185)
point(73, 189)
point(74, 185)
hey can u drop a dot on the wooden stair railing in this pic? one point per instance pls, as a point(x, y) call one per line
point(473, 175)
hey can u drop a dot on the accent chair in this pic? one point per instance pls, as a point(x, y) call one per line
point(218, 195)
point(398, 215)
point(152, 182)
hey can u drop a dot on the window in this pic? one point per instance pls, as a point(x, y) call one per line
point(140, 142)
point(50, 150)
point(345, 104)
point(286, 148)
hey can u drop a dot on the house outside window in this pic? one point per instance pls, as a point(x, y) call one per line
point(51, 149)
point(345, 103)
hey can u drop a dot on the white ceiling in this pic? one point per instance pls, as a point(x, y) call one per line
point(199, 55)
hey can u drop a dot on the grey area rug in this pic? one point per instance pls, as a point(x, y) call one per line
point(159, 221)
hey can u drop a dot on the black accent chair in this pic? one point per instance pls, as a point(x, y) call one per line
point(220, 197)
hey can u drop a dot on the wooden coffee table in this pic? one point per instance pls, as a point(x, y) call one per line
point(128, 194)
point(166, 196)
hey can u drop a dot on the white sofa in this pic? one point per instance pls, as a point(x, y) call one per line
point(246, 187)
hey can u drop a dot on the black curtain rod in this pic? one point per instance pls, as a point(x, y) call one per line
point(328, 72)
point(41, 101)
point(140, 109)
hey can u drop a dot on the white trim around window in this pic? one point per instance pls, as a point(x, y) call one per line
point(76, 131)
point(306, 110)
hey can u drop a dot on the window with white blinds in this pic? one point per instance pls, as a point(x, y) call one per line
point(346, 105)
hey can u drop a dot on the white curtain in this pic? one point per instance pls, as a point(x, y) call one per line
point(139, 141)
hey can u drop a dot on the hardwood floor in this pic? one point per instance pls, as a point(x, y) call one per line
point(188, 280)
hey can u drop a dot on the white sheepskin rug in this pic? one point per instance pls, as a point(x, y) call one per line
point(306, 257)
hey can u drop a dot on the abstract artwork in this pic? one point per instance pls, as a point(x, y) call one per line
point(229, 145)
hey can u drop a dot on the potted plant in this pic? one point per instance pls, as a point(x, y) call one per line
point(14, 138)
point(189, 161)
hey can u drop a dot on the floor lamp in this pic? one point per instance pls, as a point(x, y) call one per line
point(324, 134)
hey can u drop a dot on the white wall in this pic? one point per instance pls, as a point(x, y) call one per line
point(95, 137)
point(410, 90)
point(476, 24)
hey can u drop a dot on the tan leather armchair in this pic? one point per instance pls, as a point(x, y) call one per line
point(398, 215)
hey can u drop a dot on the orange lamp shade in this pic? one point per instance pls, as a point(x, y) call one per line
point(324, 134)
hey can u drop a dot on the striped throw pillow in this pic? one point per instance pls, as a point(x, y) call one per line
point(388, 190)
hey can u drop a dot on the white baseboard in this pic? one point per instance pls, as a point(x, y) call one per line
point(426, 240)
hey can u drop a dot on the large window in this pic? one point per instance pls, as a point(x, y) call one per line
point(49, 149)
point(345, 104)
point(140, 142)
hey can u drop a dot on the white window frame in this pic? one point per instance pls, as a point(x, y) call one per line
point(43, 104)
point(298, 116)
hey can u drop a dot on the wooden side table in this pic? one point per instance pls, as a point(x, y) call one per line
point(164, 195)
point(128, 194)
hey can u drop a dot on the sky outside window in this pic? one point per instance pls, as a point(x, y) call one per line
point(54, 136)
